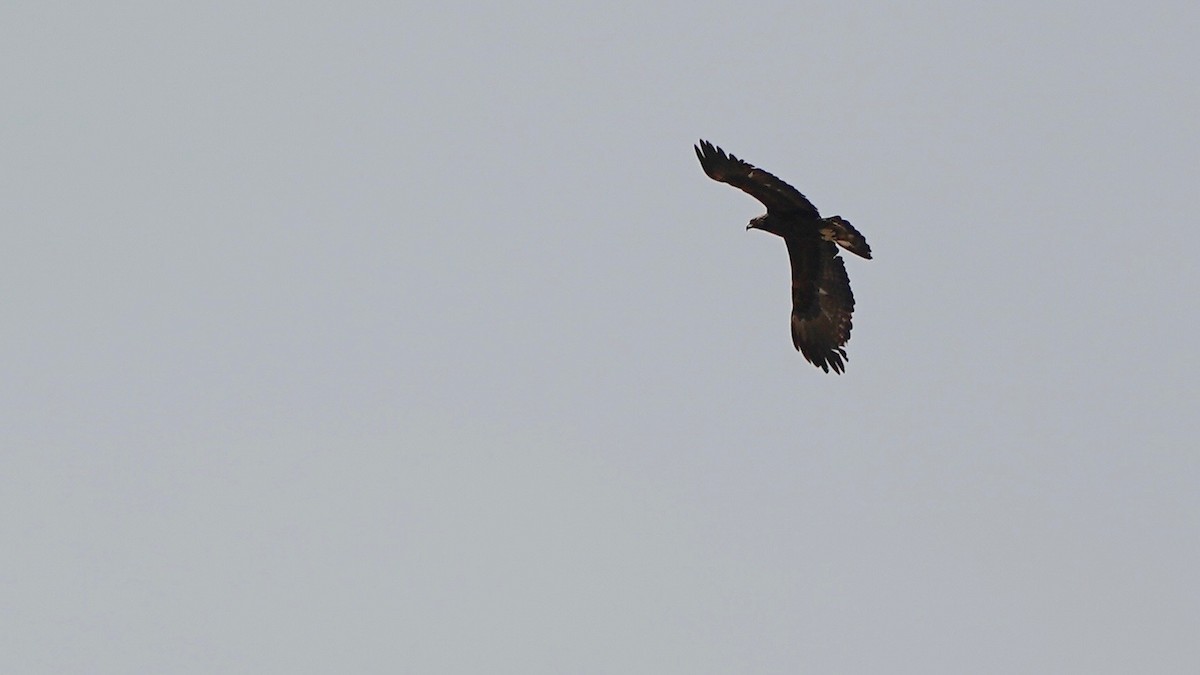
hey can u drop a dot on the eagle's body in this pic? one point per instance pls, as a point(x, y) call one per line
point(822, 302)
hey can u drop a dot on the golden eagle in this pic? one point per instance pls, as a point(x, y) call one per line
point(821, 299)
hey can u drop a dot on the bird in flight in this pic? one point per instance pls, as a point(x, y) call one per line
point(821, 298)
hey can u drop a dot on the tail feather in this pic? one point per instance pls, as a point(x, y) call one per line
point(840, 231)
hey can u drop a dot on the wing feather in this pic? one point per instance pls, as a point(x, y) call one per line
point(775, 194)
point(822, 302)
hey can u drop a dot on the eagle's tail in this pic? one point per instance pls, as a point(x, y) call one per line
point(841, 232)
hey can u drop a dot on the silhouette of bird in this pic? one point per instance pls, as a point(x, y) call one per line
point(822, 302)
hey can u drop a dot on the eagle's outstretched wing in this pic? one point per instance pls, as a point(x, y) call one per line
point(821, 302)
point(775, 194)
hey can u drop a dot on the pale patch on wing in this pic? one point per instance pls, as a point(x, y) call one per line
point(839, 231)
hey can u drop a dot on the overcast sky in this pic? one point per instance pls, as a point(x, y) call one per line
point(411, 338)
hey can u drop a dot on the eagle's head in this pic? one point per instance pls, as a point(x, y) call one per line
point(767, 224)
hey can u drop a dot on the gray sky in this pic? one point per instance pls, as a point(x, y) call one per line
point(348, 337)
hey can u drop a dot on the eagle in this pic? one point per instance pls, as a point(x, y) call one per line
point(821, 298)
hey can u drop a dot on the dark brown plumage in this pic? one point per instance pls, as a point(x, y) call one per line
point(822, 303)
